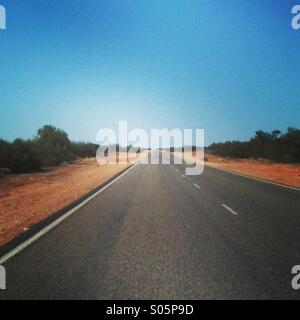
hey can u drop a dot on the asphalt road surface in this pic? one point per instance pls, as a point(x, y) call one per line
point(158, 234)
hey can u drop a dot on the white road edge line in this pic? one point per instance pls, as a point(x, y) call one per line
point(55, 223)
point(197, 186)
point(230, 210)
point(254, 178)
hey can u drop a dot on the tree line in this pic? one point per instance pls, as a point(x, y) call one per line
point(50, 147)
point(275, 145)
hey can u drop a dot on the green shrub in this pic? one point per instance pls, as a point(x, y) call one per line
point(49, 148)
point(24, 157)
point(54, 146)
point(4, 154)
point(84, 150)
point(275, 146)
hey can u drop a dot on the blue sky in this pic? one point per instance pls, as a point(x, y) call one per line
point(230, 67)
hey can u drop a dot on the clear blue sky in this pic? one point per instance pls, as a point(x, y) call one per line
point(230, 67)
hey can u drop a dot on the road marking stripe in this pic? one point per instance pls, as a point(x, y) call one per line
point(55, 223)
point(254, 178)
point(229, 209)
point(197, 186)
point(183, 176)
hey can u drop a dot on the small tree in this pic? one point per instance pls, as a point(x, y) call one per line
point(54, 146)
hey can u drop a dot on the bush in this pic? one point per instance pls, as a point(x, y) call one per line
point(84, 150)
point(24, 157)
point(49, 148)
point(274, 146)
point(4, 154)
point(54, 146)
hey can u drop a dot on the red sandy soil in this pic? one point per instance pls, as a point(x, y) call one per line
point(27, 199)
point(279, 173)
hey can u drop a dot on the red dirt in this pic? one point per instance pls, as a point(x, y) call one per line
point(279, 173)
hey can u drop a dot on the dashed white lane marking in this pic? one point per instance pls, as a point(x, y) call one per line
point(183, 176)
point(197, 186)
point(229, 209)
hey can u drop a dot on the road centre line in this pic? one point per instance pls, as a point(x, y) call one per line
point(229, 209)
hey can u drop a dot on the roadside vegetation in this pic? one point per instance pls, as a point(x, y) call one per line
point(275, 146)
point(49, 148)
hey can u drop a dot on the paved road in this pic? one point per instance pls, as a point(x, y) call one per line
point(156, 234)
